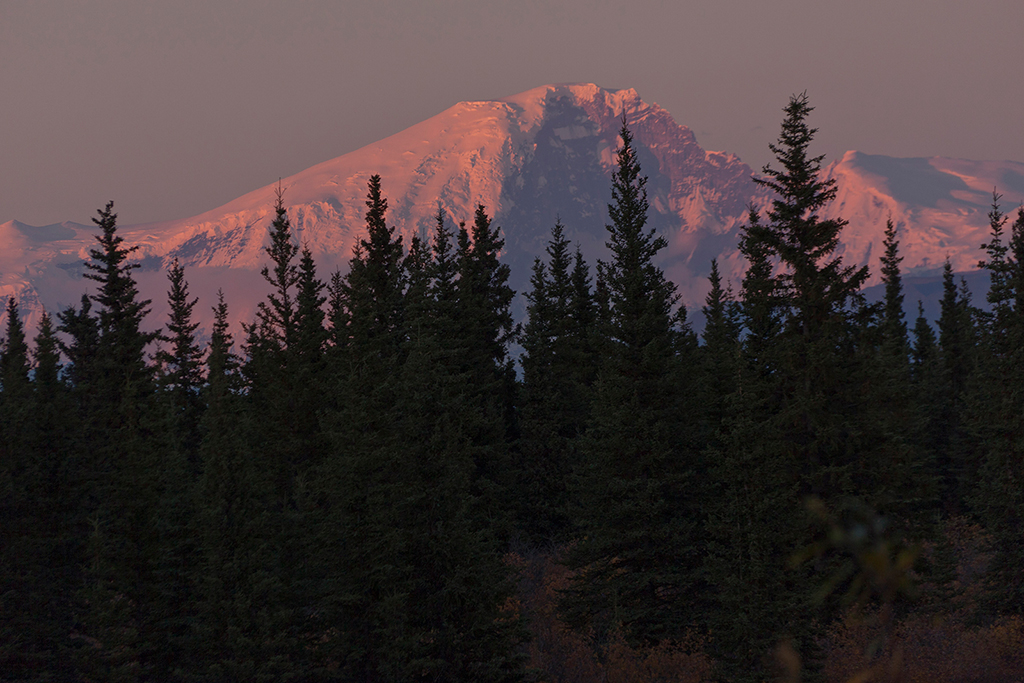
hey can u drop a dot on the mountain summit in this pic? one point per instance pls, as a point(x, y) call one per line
point(528, 159)
point(531, 158)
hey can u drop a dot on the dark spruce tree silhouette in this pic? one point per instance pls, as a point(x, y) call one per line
point(797, 302)
point(181, 367)
point(557, 378)
point(638, 554)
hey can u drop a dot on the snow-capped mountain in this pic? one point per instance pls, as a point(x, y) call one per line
point(939, 205)
point(531, 158)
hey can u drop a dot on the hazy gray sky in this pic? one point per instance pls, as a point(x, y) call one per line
point(173, 107)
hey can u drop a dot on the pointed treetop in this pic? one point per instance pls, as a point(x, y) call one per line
point(221, 361)
point(894, 324)
point(815, 282)
point(311, 337)
point(720, 327)
point(924, 339)
point(47, 353)
point(121, 309)
point(110, 254)
point(628, 210)
point(184, 359)
point(718, 295)
point(799, 178)
point(444, 267)
point(998, 264)
point(14, 363)
point(376, 205)
point(276, 316)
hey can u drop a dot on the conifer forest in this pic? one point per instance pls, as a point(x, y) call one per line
point(384, 477)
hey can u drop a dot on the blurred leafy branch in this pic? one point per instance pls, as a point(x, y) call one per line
point(871, 569)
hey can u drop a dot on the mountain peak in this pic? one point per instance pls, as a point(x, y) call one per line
point(528, 158)
point(581, 92)
point(542, 154)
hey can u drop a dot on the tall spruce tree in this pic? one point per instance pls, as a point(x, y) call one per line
point(555, 397)
point(267, 367)
point(20, 575)
point(182, 375)
point(132, 602)
point(956, 354)
point(306, 361)
point(894, 326)
point(456, 583)
point(241, 619)
point(637, 559)
point(277, 315)
point(1000, 295)
point(892, 418)
point(818, 293)
point(720, 355)
point(815, 284)
point(353, 485)
point(282, 433)
point(484, 328)
point(123, 342)
point(995, 411)
point(222, 362)
point(57, 551)
point(311, 337)
point(750, 525)
point(374, 286)
point(281, 370)
point(584, 329)
point(795, 430)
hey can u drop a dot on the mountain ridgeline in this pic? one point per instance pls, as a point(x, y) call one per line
point(531, 158)
point(356, 485)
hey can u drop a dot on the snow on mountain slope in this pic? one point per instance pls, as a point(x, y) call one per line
point(530, 158)
point(527, 158)
point(940, 207)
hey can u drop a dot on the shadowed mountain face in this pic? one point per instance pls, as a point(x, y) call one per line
point(913, 181)
point(565, 177)
point(530, 158)
point(694, 195)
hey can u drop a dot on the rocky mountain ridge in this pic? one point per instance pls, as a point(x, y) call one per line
point(530, 158)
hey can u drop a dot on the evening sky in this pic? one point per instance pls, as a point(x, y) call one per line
point(174, 107)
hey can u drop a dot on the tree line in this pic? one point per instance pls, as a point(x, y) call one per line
point(332, 495)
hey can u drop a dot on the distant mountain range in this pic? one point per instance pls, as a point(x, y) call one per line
point(532, 158)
